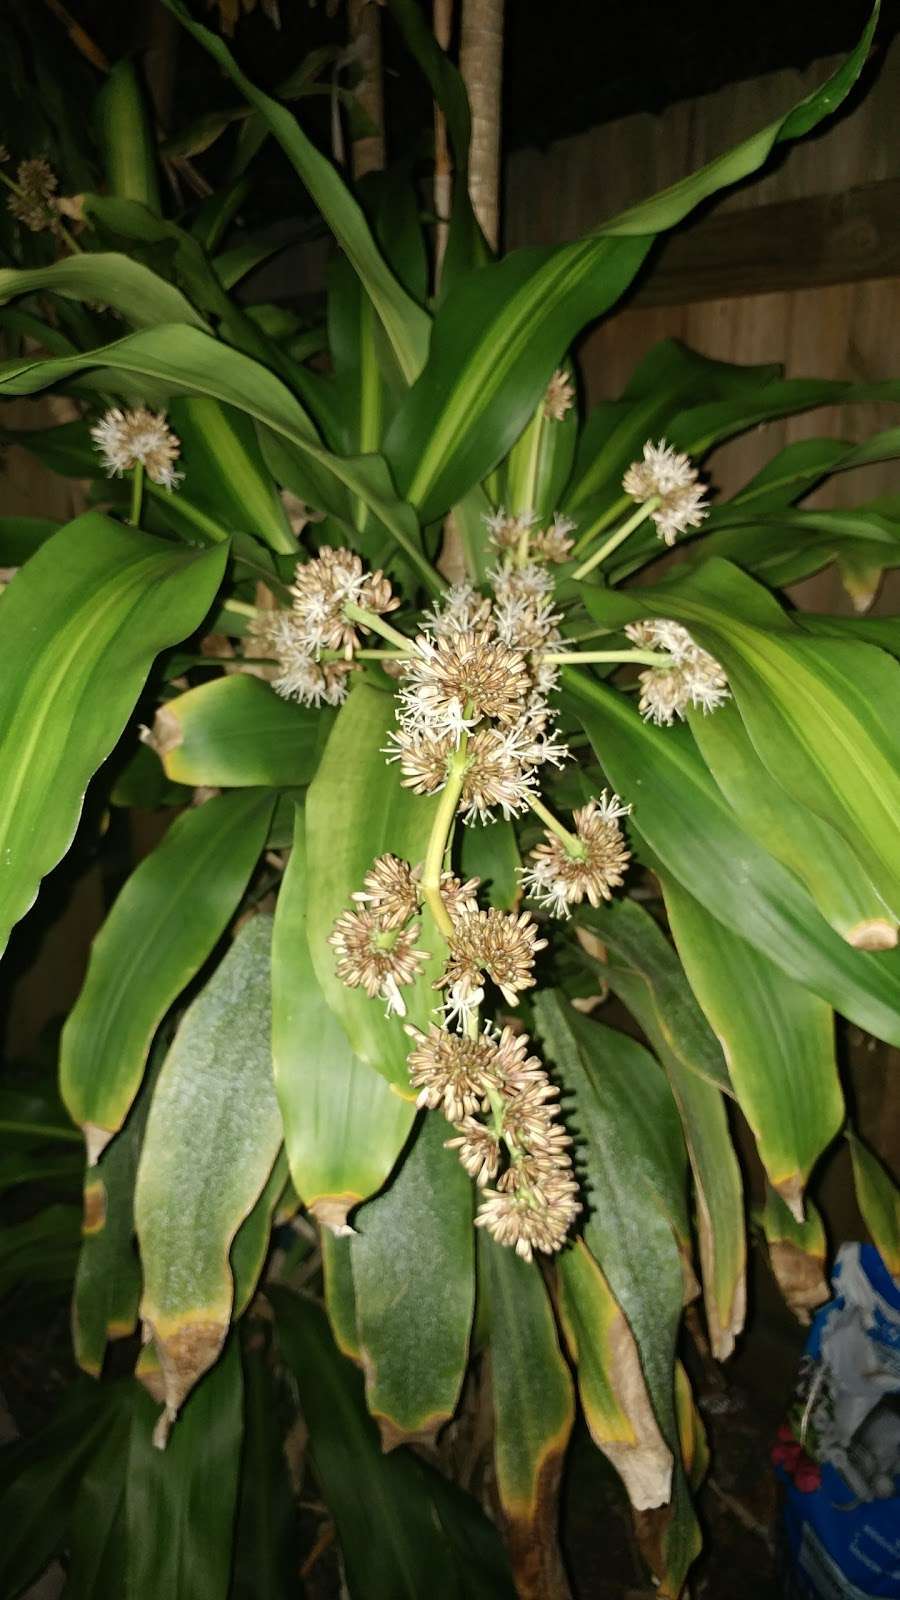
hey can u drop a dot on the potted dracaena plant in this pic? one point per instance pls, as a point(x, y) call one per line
point(352, 1002)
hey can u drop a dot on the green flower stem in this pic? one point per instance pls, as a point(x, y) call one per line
point(603, 521)
point(240, 608)
point(571, 841)
point(371, 619)
point(363, 655)
point(529, 485)
point(650, 658)
point(615, 539)
point(441, 828)
point(137, 495)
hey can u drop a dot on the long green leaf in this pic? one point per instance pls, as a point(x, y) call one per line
point(611, 1385)
point(344, 1127)
point(778, 1041)
point(251, 1242)
point(79, 628)
point(681, 818)
point(405, 1531)
point(797, 1255)
point(237, 733)
point(161, 929)
point(631, 1238)
point(107, 1284)
point(212, 1137)
point(414, 1276)
point(534, 1409)
point(792, 833)
point(820, 712)
point(123, 125)
point(377, 815)
point(180, 360)
point(878, 1197)
point(228, 476)
point(180, 1505)
point(502, 330)
point(138, 294)
point(405, 323)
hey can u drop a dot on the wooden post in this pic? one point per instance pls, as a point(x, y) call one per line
point(443, 165)
point(481, 64)
point(364, 18)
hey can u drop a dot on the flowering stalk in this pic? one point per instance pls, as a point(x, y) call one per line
point(440, 833)
point(570, 840)
point(24, 205)
point(137, 494)
point(601, 522)
point(650, 658)
point(369, 619)
point(615, 539)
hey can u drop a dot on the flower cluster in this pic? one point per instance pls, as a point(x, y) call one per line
point(559, 396)
point(508, 1133)
point(669, 480)
point(690, 677)
point(496, 1095)
point(318, 622)
point(33, 201)
point(588, 864)
point(138, 437)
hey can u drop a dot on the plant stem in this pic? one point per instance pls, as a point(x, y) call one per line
point(137, 495)
point(570, 840)
point(651, 658)
point(529, 484)
point(640, 515)
point(240, 608)
point(444, 819)
point(370, 619)
point(601, 522)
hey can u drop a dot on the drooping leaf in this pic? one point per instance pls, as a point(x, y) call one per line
point(611, 1385)
point(797, 1253)
point(377, 815)
point(139, 295)
point(170, 360)
point(251, 1242)
point(534, 1409)
point(631, 1238)
point(879, 1201)
point(778, 1040)
point(720, 1218)
point(404, 1529)
point(236, 732)
point(79, 625)
point(180, 1504)
point(107, 1284)
point(414, 1279)
point(682, 819)
point(340, 1296)
point(228, 476)
point(344, 1126)
point(808, 844)
point(405, 323)
point(165, 923)
point(213, 1133)
point(501, 331)
point(39, 1477)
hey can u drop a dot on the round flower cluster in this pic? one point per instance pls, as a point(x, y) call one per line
point(138, 437)
point(586, 865)
point(317, 622)
point(691, 676)
point(497, 1096)
point(34, 201)
point(669, 479)
point(508, 1134)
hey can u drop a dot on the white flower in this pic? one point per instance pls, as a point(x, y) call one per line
point(460, 608)
point(126, 439)
point(668, 476)
point(694, 678)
